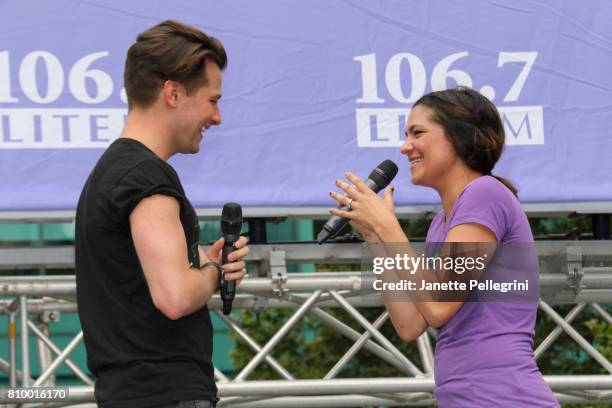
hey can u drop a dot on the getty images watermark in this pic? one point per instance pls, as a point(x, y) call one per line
point(452, 271)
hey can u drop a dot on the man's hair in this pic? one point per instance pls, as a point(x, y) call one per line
point(472, 125)
point(169, 51)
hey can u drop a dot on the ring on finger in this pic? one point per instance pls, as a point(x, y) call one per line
point(348, 204)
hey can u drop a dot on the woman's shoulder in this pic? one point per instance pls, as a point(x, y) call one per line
point(485, 192)
point(487, 201)
point(490, 188)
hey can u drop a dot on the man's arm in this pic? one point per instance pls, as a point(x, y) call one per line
point(176, 288)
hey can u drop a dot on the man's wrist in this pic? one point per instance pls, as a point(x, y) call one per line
point(214, 266)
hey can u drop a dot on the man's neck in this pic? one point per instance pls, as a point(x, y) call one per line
point(147, 128)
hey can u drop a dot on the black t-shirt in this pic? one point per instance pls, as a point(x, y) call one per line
point(140, 357)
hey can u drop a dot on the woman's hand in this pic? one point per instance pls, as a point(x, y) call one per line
point(368, 234)
point(369, 212)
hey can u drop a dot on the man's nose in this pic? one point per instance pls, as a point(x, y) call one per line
point(216, 117)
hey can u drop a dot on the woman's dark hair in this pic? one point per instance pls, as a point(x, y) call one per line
point(169, 50)
point(472, 125)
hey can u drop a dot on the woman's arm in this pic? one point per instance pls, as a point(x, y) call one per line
point(437, 314)
point(407, 320)
point(405, 317)
point(377, 215)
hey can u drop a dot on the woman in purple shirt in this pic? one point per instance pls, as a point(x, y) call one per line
point(484, 350)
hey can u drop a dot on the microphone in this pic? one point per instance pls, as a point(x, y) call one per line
point(378, 179)
point(231, 225)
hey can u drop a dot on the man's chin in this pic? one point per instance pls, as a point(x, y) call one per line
point(195, 148)
point(191, 150)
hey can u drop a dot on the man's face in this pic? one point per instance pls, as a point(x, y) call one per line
point(199, 111)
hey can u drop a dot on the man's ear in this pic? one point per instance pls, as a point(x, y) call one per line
point(172, 92)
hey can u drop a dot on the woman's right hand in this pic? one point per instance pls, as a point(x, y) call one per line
point(367, 208)
point(366, 232)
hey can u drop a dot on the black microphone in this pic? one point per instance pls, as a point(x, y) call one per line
point(231, 225)
point(378, 179)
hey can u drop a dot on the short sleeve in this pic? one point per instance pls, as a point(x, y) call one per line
point(484, 202)
point(148, 178)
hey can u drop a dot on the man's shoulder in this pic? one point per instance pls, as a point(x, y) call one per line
point(128, 158)
point(127, 153)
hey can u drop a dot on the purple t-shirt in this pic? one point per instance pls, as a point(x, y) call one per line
point(484, 354)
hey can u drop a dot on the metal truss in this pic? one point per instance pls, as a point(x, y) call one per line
point(574, 272)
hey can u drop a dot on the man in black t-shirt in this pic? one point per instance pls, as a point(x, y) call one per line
point(143, 280)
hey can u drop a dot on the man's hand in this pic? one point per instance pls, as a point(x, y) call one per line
point(236, 268)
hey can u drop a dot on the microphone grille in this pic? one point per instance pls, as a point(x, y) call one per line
point(388, 168)
point(232, 212)
point(383, 174)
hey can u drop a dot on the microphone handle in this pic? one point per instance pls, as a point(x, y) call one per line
point(336, 223)
point(228, 288)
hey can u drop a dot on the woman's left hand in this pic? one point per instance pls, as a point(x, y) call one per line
point(368, 210)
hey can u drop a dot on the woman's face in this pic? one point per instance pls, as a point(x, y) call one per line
point(430, 153)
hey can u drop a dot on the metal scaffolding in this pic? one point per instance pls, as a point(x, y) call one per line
point(577, 272)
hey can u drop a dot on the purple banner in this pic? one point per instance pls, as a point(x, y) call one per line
point(312, 89)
